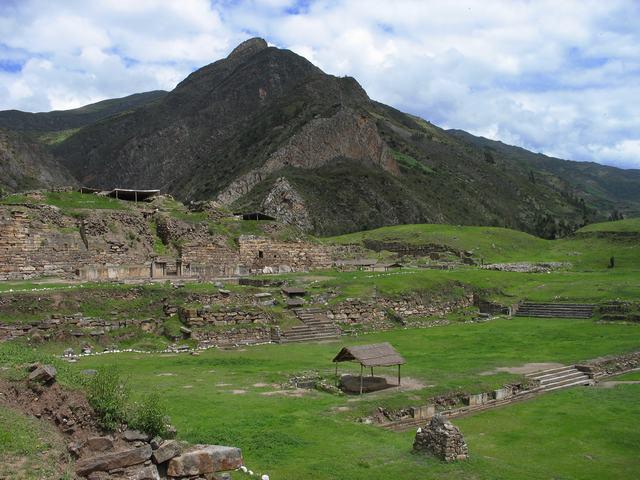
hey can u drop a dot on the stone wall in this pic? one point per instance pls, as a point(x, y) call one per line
point(375, 311)
point(75, 325)
point(233, 336)
point(201, 317)
point(603, 367)
point(264, 255)
point(38, 240)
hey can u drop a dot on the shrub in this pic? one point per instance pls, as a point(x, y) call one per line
point(149, 415)
point(108, 394)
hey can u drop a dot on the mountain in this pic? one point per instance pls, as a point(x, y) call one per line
point(26, 165)
point(265, 129)
point(76, 118)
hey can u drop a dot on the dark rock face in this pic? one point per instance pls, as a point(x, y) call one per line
point(27, 165)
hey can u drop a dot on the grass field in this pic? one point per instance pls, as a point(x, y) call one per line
point(230, 397)
point(29, 449)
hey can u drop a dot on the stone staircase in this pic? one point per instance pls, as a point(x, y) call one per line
point(557, 378)
point(555, 310)
point(549, 380)
point(316, 326)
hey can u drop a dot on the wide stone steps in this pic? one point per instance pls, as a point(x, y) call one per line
point(316, 326)
point(557, 378)
point(549, 380)
point(555, 310)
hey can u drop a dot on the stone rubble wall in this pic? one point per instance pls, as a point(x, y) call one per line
point(192, 317)
point(375, 311)
point(75, 325)
point(442, 439)
point(604, 367)
point(233, 336)
point(38, 240)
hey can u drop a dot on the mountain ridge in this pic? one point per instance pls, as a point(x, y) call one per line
point(262, 118)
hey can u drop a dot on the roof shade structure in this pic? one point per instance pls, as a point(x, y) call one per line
point(256, 216)
point(374, 355)
point(132, 194)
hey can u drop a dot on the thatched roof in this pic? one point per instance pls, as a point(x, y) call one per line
point(375, 355)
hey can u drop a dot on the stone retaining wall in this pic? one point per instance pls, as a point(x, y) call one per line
point(76, 325)
point(375, 312)
point(614, 365)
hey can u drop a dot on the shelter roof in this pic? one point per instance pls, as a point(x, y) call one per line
point(374, 355)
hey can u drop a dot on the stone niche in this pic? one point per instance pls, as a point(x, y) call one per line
point(442, 439)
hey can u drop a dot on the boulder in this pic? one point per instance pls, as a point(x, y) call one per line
point(135, 435)
point(205, 459)
point(43, 374)
point(98, 444)
point(140, 472)
point(166, 451)
point(113, 460)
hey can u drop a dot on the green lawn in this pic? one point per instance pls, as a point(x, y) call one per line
point(626, 225)
point(228, 397)
point(29, 449)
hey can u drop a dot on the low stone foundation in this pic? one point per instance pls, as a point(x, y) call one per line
point(604, 367)
point(441, 439)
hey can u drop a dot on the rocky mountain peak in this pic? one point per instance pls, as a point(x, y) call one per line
point(249, 47)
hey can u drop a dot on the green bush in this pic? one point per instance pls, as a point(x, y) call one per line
point(108, 394)
point(149, 415)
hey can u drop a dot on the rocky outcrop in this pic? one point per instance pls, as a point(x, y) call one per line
point(346, 134)
point(441, 439)
point(285, 204)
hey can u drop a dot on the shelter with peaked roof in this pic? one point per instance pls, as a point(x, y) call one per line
point(373, 355)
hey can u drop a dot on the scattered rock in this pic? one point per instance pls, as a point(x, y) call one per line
point(43, 374)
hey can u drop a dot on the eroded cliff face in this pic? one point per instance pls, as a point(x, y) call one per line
point(286, 205)
point(346, 134)
point(26, 165)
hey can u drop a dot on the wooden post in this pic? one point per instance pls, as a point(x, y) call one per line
point(398, 374)
point(135, 194)
point(336, 374)
point(361, 378)
point(372, 371)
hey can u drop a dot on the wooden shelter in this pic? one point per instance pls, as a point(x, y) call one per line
point(374, 355)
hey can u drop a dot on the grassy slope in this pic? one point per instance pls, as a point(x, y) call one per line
point(626, 225)
point(29, 449)
point(307, 438)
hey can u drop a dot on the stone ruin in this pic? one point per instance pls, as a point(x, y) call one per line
point(442, 439)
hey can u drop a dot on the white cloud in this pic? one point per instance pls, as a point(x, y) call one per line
point(557, 77)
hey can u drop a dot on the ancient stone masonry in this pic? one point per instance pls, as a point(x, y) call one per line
point(76, 326)
point(376, 311)
point(233, 336)
point(38, 240)
point(441, 439)
point(201, 317)
point(603, 367)
point(265, 255)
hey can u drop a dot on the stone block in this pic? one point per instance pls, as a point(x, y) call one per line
point(166, 451)
point(113, 460)
point(502, 393)
point(205, 459)
point(43, 374)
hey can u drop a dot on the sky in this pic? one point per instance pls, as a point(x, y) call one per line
point(561, 77)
